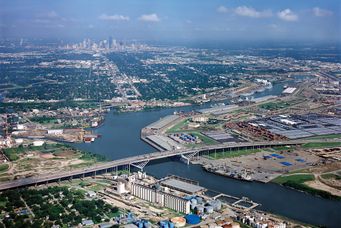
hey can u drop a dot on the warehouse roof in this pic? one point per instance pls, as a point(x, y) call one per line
point(163, 122)
point(182, 186)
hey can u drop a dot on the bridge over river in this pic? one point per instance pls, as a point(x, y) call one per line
point(140, 161)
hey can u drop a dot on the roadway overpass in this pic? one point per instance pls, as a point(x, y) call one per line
point(140, 161)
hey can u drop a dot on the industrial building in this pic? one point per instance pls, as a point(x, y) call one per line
point(163, 142)
point(163, 199)
point(162, 122)
point(296, 126)
point(218, 110)
point(182, 186)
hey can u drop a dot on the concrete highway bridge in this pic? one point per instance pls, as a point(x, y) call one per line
point(140, 162)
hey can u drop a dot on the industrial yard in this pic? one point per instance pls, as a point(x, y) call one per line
point(260, 165)
point(135, 199)
point(246, 114)
point(274, 119)
point(40, 157)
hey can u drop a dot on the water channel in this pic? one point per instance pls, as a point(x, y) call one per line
point(121, 138)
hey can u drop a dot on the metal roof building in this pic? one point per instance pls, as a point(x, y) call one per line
point(182, 186)
point(162, 122)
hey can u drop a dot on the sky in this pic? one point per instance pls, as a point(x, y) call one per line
point(214, 20)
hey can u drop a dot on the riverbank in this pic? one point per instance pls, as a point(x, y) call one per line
point(298, 182)
point(121, 138)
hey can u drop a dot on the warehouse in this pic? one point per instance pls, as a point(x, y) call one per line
point(163, 122)
point(183, 186)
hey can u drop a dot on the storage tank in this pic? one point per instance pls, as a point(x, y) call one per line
point(216, 204)
point(209, 209)
point(178, 221)
point(192, 219)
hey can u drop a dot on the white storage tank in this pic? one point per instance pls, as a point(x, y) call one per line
point(209, 209)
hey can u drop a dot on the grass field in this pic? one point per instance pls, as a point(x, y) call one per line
point(321, 144)
point(298, 182)
point(331, 136)
point(274, 105)
point(4, 167)
point(232, 154)
point(298, 178)
point(177, 127)
point(331, 176)
point(206, 140)
point(13, 153)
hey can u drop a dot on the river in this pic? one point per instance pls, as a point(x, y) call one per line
point(121, 138)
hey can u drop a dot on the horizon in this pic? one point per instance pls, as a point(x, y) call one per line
point(173, 21)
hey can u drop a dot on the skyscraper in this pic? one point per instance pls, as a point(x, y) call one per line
point(110, 41)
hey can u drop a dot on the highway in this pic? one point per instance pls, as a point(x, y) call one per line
point(78, 173)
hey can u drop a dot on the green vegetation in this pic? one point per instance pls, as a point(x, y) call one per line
point(87, 156)
point(297, 178)
point(331, 136)
point(44, 120)
point(321, 144)
point(52, 206)
point(12, 153)
point(231, 154)
point(178, 127)
point(297, 182)
point(54, 148)
point(331, 176)
point(206, 140)
point(4, 167)
point(19, 107)
point(274, 105)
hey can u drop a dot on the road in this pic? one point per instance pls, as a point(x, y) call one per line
point(78, 173)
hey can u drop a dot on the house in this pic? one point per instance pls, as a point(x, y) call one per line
point(88, 222)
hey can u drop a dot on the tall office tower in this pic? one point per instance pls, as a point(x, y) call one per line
point(110, 42)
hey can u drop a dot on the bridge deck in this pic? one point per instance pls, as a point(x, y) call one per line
point(135, 159)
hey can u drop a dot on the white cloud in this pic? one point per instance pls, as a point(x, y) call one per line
point(149, 17)
point(287, 15)
point(115, 17)
point(318, 12)
point(222, 9)
point(52, 14)
point(251, 12)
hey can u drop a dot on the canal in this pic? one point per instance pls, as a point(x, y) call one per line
point(121, 138)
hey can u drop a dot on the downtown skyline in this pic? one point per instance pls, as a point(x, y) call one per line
point(172, 20)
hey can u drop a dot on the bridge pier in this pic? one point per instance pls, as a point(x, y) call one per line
point(124, 164)
point(184, 159)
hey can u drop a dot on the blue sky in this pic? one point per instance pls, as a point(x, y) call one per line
point(310, 20)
